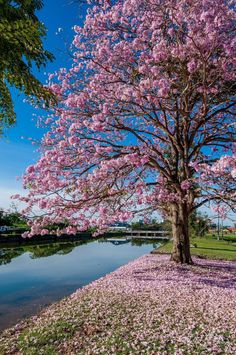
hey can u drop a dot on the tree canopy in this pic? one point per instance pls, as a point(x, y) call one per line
point(145, 121)
point(21, 47)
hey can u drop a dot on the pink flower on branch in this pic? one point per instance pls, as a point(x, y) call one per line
point(146, 98)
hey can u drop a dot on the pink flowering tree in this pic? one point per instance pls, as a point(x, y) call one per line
point(145, 121)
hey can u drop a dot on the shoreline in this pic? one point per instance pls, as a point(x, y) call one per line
point(38, 239)
point(149, 306)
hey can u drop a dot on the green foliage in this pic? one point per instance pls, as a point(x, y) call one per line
point(154, 225)
point(230, 238)
point(198, 224)
point(11, 218)
point(21, 46)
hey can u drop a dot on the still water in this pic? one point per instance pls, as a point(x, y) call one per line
point(34, 276)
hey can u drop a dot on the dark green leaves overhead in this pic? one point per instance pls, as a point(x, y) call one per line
point(21, 46)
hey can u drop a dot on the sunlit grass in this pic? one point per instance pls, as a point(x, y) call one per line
point(208, 247)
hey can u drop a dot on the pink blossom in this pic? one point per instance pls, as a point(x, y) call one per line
point(185, 185)
point(192, 66)
point(145, 100)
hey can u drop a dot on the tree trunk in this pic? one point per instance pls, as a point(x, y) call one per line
point(181, 244)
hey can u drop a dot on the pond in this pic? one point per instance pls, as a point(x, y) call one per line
point(34, 276)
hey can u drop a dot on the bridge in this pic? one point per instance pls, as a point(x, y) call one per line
point(147, 234)
point(140, 234)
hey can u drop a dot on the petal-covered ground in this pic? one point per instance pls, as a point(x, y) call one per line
point(149, 306)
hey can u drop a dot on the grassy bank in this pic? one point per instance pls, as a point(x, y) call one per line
point(149, 306)
point(207, 247)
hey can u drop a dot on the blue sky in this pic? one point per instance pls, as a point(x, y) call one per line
point(17, 153)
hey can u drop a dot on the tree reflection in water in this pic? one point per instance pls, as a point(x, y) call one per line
point(8, 253)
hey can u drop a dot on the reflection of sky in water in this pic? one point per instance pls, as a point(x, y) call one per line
point(27, 284)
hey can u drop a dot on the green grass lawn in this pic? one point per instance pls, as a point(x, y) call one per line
point(207, 247)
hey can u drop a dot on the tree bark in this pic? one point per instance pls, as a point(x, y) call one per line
point(181, 243)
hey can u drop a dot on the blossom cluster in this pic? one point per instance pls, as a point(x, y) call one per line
point(150, 91)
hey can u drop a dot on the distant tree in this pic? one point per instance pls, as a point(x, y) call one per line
point(2, 220)
point(153, 225)
point(11, 218)
point(199, 224)
point(14, 218)
point(165, 225)
point(21, 46)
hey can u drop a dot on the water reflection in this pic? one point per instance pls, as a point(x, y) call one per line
point(33, 276)
point(7, 254)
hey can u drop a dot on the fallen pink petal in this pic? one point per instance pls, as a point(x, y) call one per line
point(149, 306)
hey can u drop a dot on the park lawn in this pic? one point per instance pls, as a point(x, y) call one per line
point(206, 247)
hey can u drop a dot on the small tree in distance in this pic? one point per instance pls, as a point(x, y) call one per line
point(146, 119)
